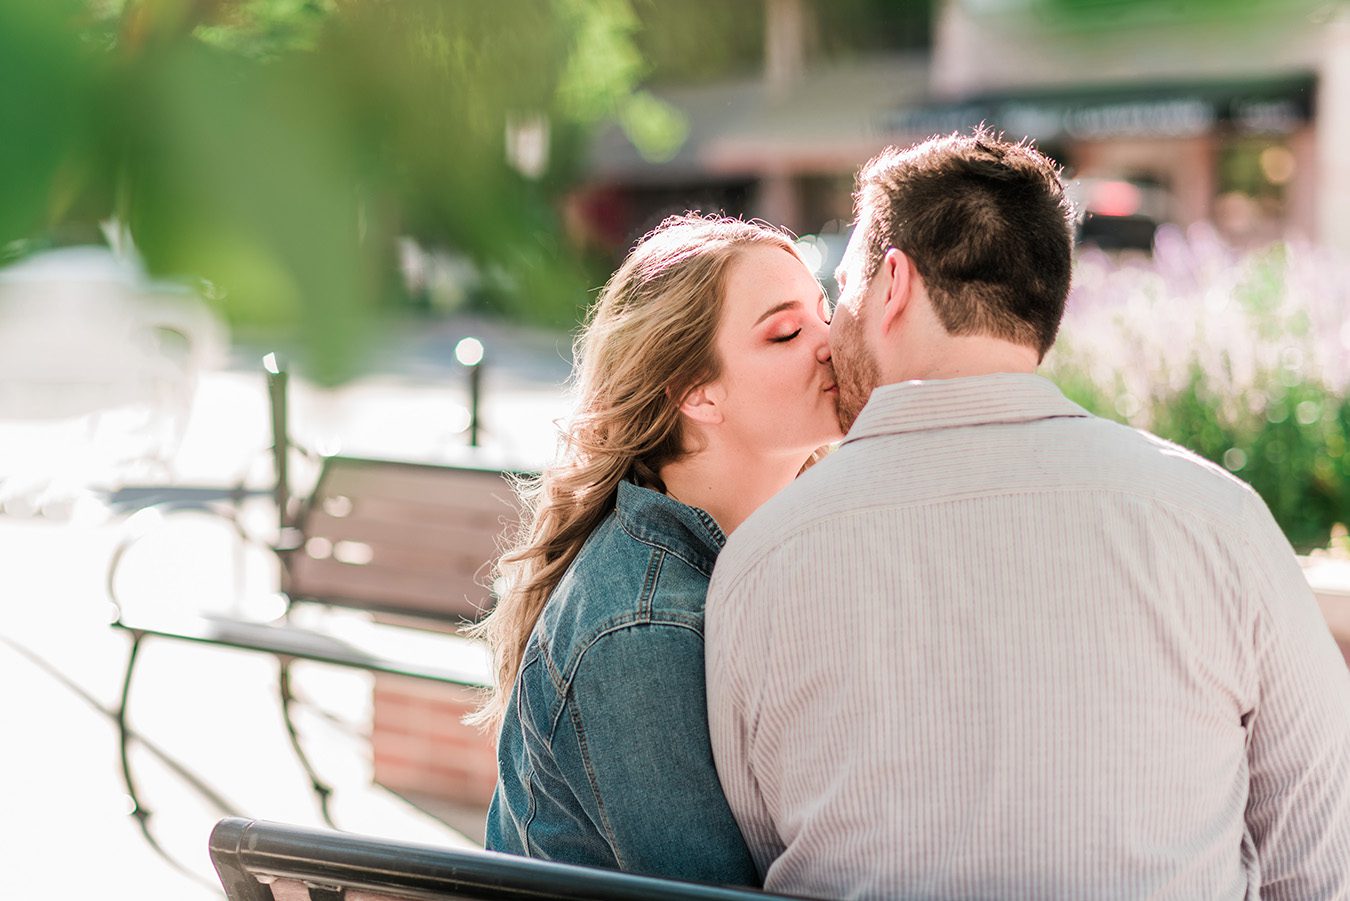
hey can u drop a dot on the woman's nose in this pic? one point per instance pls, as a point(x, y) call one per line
point(823, 348)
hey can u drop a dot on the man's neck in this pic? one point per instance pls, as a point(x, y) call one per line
point(963, 356)
point(728, 485)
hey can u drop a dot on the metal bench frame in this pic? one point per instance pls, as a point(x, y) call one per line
point(457, 660)
point(261, 861)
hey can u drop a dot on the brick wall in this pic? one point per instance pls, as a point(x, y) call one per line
point(423, 750)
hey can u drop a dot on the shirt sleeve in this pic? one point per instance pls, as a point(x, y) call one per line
point(730, 720)
point(638, 707)
point(1298, 810)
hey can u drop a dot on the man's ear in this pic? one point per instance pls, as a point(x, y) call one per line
point(897, 274)
point(703, 404)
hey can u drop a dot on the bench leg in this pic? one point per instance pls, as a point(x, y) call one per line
point(125, 734)
point(322, 790)
point(138, 810)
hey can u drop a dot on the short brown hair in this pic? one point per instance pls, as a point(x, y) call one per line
point(987, 225)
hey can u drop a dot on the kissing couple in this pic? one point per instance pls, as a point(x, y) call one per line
point(988, 646)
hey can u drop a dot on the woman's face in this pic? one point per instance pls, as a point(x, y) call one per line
point(776, 389)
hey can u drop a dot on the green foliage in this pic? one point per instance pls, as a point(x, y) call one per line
point(276, 149)
point(267, 29)
point(1292, 451)
point(1240, 358)
point(1109, 13)
point(850, 27)
point(47, 103)
point(700, 40)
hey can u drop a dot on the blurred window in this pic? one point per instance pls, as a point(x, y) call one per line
point(1253, 178)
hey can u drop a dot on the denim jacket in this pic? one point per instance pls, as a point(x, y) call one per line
point(604, 757)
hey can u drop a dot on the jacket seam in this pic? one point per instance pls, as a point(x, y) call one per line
point(705, 570)
point(530, 789)
point(572, 674)
point(566, 688)
point(649, 584)
point(555, 675)
point(714, 530)
point(575, 716)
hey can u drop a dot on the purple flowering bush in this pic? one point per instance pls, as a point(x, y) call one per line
point(1241, 356)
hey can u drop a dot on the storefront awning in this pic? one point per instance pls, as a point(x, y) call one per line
point(1272, 106)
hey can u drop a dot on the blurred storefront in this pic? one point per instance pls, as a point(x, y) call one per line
point(1180, 111)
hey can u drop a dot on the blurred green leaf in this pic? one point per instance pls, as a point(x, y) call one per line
point(47, 93)
point(279, 148)
point(656, 128)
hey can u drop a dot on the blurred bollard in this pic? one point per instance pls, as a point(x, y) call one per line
point(277, 379)
point(469, 353)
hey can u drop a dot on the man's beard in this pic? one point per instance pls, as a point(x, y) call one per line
point(855, 371)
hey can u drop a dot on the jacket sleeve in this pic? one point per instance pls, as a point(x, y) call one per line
point(637, 707)
point(1298, 810)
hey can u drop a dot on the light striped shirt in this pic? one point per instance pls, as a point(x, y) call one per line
point(996, 647)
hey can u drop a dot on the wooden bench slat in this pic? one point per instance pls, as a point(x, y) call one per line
point(391, 558)
point(442, 597)
point(445, 532)
point(420, 483)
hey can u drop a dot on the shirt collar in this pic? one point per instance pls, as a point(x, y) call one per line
point(658, 519)
point(920, 406)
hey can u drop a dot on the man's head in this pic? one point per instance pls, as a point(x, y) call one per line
point(958, 238)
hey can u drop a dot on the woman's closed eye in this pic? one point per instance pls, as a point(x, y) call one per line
point(783, 338)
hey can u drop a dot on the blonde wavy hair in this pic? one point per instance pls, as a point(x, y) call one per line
point(647, 341)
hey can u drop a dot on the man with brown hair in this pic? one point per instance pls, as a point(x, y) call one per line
point(995, 646)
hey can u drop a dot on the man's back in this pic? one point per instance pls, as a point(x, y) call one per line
point(994, 646)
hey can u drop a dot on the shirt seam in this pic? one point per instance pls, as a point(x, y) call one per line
point(1264, 618)
point(780, 540)
point(886, 432)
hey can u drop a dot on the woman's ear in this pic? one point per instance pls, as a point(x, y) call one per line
point(703, 403)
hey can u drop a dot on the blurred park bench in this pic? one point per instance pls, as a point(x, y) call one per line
point(379, 566)
point(259, 861)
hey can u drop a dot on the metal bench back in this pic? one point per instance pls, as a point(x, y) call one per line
point(261, 861)
point(408, 539)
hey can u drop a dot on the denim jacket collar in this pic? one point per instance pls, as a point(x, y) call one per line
point(659, 520)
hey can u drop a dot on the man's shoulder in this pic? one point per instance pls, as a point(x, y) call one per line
point(1087, 455)
point(1156, 465)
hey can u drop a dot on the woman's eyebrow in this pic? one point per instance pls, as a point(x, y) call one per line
point(785, 305)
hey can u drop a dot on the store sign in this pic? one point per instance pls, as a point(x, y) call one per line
point(1160, 112)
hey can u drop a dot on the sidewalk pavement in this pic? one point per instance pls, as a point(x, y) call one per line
point(66, 832)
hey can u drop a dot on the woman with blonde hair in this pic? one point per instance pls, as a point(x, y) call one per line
point(704, 386)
